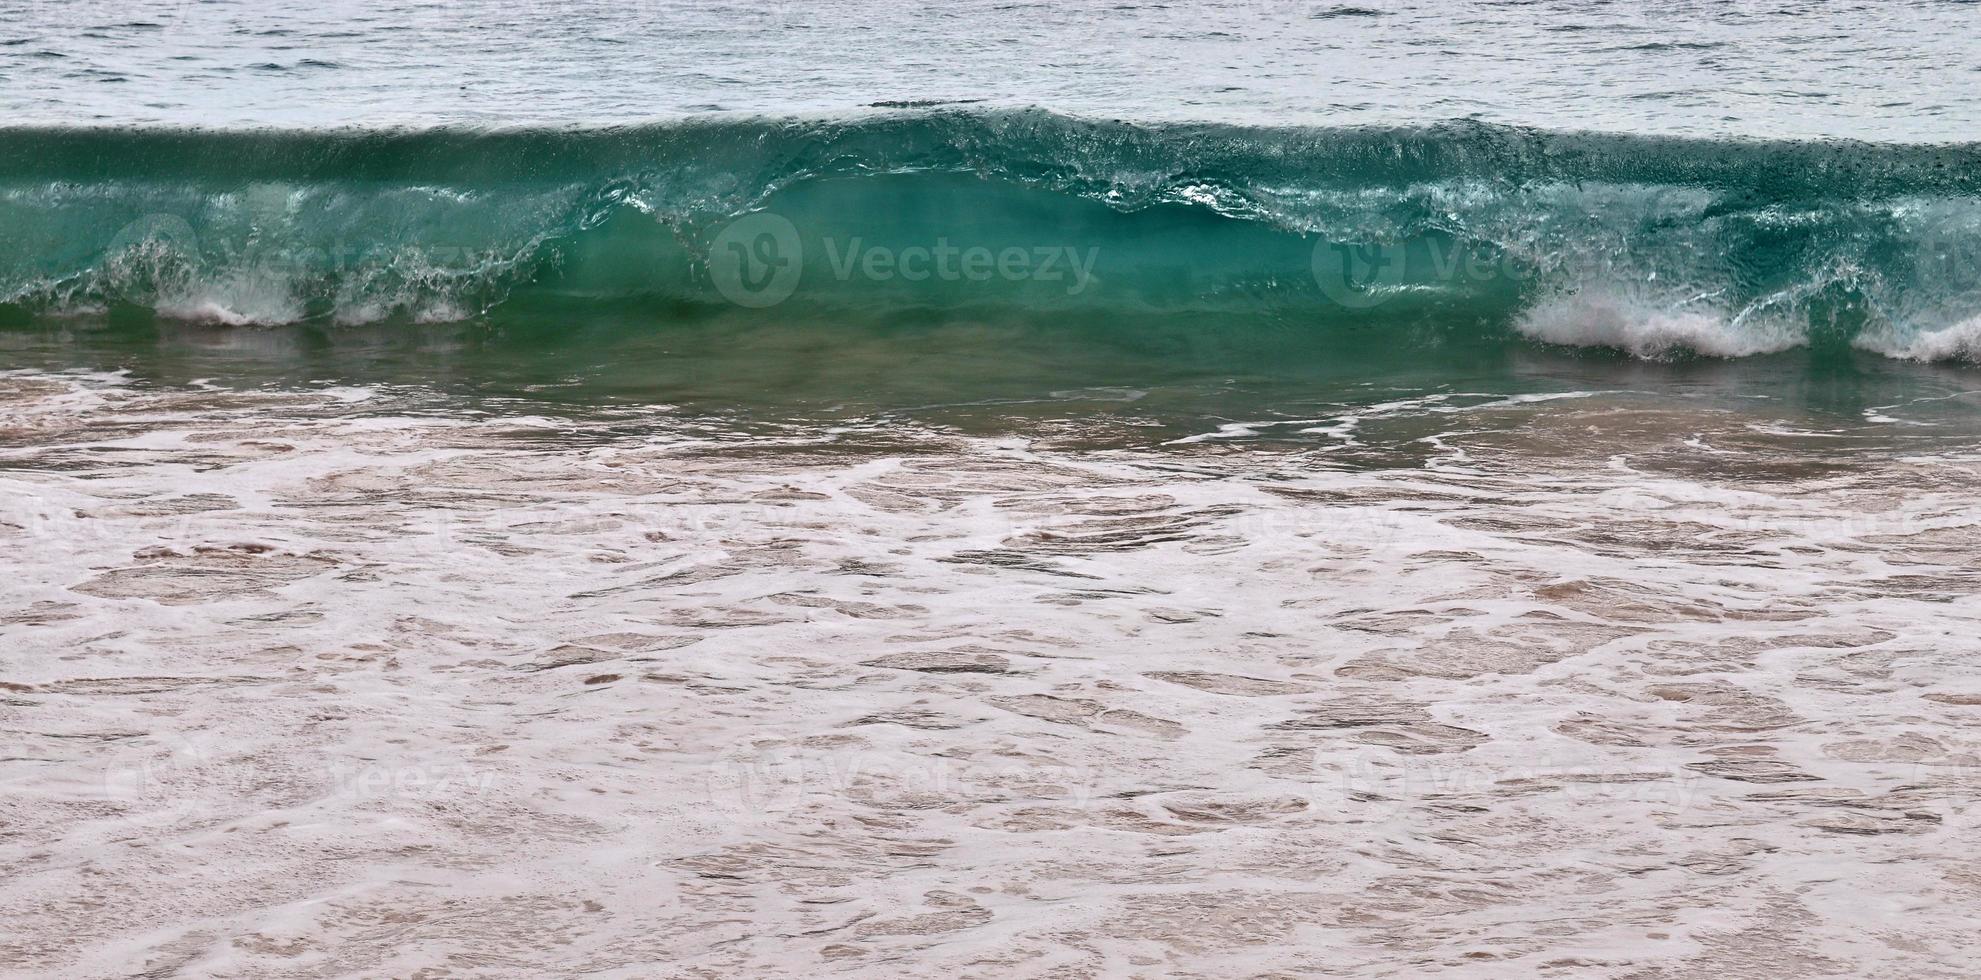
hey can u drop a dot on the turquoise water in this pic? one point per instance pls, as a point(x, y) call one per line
point(1207, 215)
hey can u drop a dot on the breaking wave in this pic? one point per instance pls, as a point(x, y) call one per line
point(1654, 246)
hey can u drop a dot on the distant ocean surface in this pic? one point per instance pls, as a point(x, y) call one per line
point(1897, 72)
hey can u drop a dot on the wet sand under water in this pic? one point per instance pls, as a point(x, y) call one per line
point(310, 683)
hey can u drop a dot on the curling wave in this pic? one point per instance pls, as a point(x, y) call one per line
point(1655, 246)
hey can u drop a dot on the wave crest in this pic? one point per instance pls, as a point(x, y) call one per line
point(1651, 245)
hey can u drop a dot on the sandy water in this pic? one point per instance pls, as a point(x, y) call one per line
point(317, 681)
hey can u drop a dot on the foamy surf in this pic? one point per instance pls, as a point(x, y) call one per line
point(645, 689)
point(1601, 319)
point(1960, 342)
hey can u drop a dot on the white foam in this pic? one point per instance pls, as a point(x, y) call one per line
point(238, 300)
point(403, 666)
point(1602, 319)
point(1959, 342)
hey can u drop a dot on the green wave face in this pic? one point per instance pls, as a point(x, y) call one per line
point(1427, 240)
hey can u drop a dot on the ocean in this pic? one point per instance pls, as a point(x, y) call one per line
point(991, 489)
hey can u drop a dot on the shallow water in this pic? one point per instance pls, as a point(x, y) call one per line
point(369, 682)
